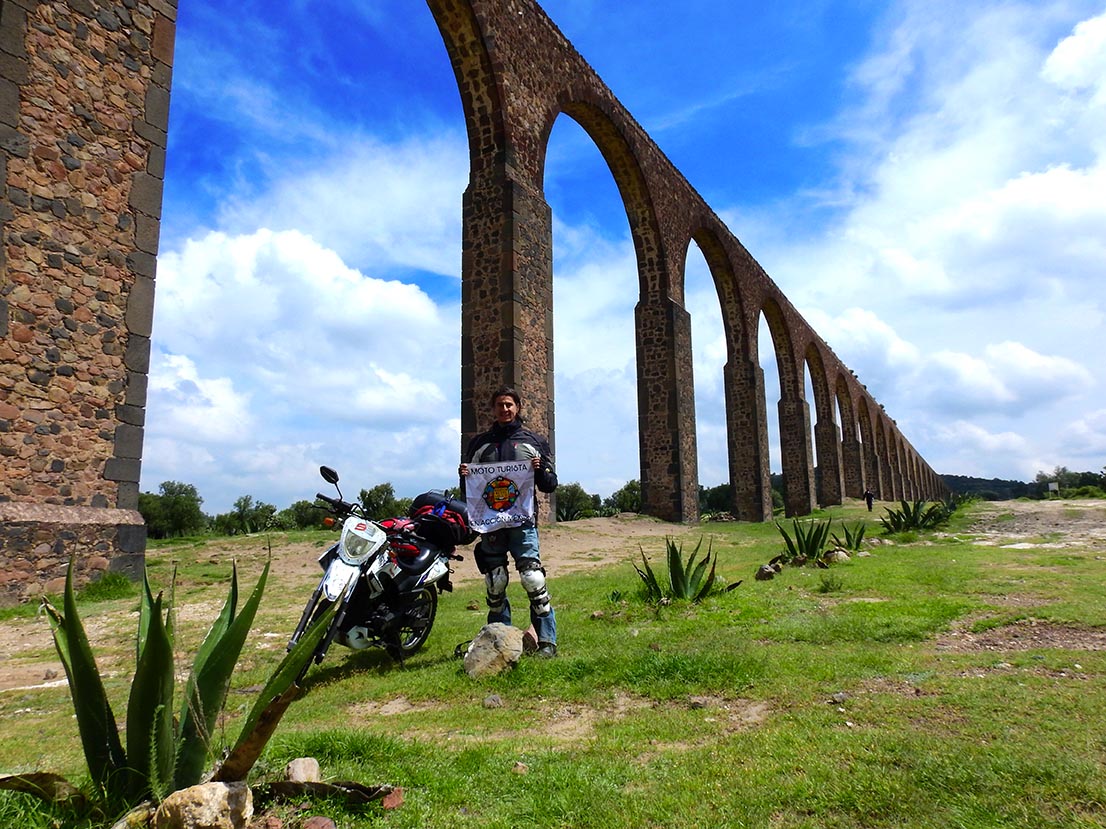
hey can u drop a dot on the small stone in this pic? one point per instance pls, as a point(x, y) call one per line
point(520, 768)
point(493, 701)
point(303, 770)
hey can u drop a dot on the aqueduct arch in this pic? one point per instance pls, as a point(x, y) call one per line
point(83, 165)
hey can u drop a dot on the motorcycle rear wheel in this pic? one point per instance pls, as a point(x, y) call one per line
point(419, 611)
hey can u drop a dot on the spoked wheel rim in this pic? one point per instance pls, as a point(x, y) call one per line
point(418, 618)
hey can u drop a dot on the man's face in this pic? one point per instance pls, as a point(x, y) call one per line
point(505, 408)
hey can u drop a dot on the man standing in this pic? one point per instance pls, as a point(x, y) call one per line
point(509, 440)
point(869, 497)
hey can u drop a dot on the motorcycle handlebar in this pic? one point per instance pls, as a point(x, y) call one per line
point(337, 503)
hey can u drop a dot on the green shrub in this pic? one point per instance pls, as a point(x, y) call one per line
point(807, 544)
point(918, 515)
point(853, 538)
point(109, 586)
point(689, 582)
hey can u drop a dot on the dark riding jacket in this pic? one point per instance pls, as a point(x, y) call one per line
point(514, 442)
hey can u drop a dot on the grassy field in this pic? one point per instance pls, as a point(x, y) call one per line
point(944, 680)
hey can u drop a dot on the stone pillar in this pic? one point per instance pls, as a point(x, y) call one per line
point(507, 303)
point(666, 411)
point(798, 468)
point(870, 456)
point(747, 437)
point(886, 489)
point(84, 108)
point(831, 484)
point(852, 459)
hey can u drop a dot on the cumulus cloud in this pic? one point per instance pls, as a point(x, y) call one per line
point(271, 354)
point(374, 204)
point(1085, 439)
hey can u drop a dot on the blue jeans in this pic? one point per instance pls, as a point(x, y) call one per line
point(522, 544)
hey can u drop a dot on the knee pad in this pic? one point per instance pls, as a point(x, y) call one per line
point(496, 583)
point(533, 580)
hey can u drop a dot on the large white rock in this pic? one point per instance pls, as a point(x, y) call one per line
point(206, 806)
point(496, 648)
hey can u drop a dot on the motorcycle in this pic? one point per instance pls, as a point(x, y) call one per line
point(385, 576)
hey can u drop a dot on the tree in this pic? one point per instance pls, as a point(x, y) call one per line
point(626, 499)
point(243, 512)
point(300, 515)
point(572, 502)
point(380, 502)
point(180, 505)
point(175, 511)
point(716, 498)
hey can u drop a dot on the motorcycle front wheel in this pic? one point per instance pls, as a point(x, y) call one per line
point(419, 610)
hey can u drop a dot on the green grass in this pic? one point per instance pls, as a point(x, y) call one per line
point(779, 704)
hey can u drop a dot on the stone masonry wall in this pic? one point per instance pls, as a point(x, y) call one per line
point(84, 107)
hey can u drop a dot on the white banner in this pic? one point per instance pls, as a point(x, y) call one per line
point(500, 495)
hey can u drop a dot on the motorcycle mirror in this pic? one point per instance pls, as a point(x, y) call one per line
point(329, 475)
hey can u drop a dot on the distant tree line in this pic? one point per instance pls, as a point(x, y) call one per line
point(1070, 485)
point(175, 510)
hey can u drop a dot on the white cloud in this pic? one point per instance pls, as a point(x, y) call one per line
point(1085, 439)
point(962, 447)
point(374, 204)
point(272, 356)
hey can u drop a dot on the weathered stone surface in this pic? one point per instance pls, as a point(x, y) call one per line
point(207, 806)
point(75, 79)
point(496, 648)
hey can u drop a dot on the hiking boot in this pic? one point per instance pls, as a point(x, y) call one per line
point(547, 650)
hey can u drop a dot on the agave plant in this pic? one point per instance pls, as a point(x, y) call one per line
point(807, 543)
point(853, 538)
point(916, 515)
point(688, 581)
point(159, 753)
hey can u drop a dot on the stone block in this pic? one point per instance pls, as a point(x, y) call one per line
point(128, 441)
point(140, 307)
point(146, 191)
point(137, 357)
point(123, 469)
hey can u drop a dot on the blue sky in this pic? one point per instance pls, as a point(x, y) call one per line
point(922, 179)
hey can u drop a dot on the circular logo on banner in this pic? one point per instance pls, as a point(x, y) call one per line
point(500, 494)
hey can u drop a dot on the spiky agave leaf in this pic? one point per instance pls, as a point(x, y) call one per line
point(677, 579)
point(275, 697)
point(150, 745)
point(653, 589)
point(792, 548)
point(695, 589)
point(103, 750)
point(207, 686)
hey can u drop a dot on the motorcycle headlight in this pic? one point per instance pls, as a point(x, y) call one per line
point(360, 539)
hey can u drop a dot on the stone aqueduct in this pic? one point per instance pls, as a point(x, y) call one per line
point(84, 105)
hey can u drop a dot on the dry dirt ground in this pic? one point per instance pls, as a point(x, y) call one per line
point(597, 542)
point(1018, 525)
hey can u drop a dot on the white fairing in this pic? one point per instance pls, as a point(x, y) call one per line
point(434, 572)
point(339, 576)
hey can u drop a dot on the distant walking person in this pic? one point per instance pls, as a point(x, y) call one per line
point(869, 497)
